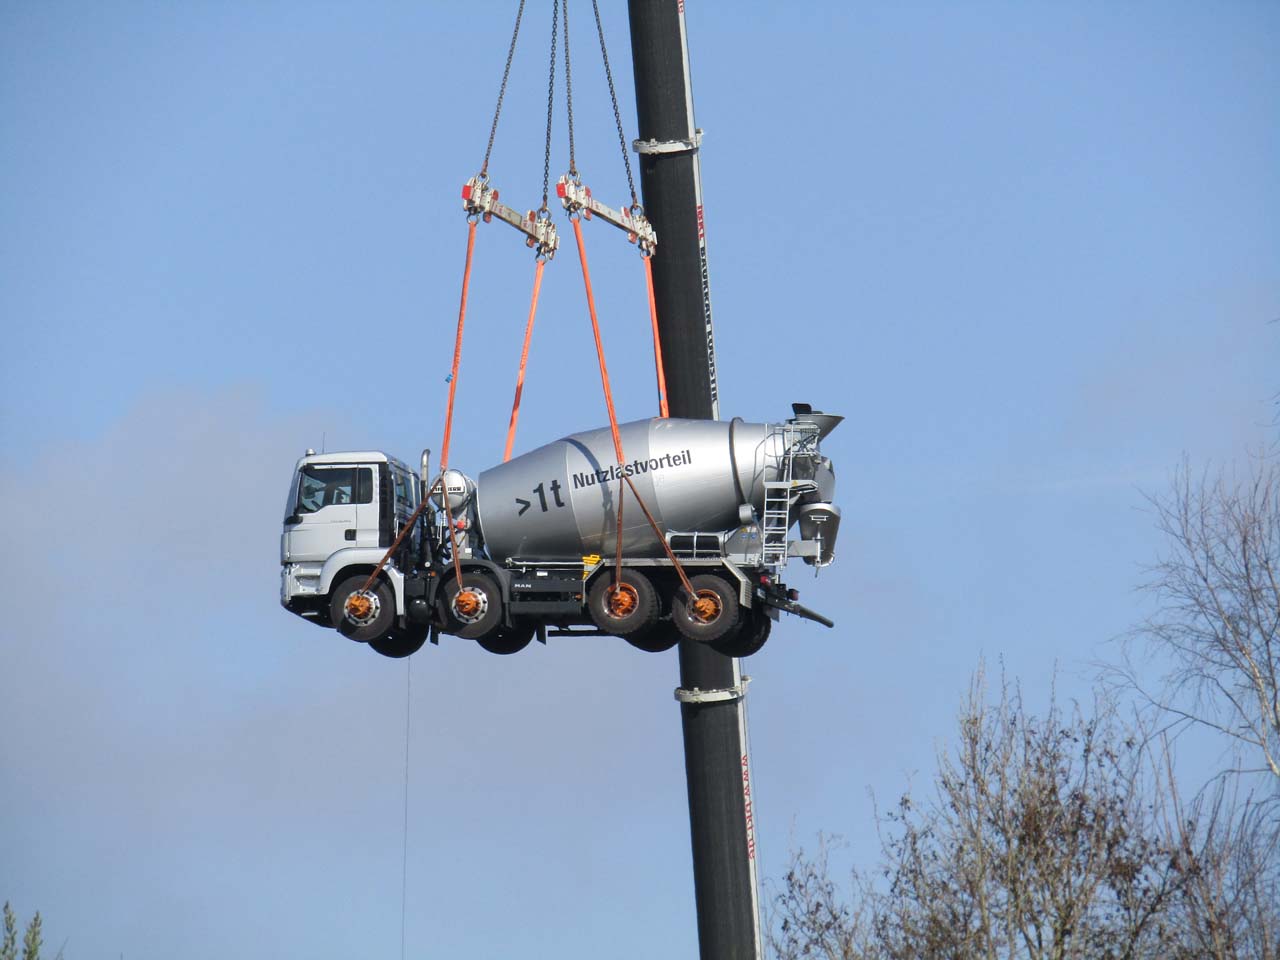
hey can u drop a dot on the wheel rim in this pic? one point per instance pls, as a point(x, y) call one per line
point(621, 601)
point(470, 605)
point(362, 608)
point(706, 607)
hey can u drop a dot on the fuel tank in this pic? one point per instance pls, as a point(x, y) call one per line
point(559, 502)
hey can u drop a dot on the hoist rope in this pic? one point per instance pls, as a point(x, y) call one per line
point(657, 341)
point(524, 360)
point(502, 89)
point(613, 96)
point(404, 854)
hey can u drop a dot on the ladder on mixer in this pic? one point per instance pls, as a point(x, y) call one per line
point(796, 439)
point(777, 506)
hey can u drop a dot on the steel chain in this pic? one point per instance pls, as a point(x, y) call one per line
point(568, 89)
point(502, 90)
point(617, 117)
point(551, 96)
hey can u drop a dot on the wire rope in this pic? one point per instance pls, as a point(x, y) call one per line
point(404, 853)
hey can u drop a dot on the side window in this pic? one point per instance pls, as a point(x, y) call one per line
point(403, 495)
point(364, 485)
point(322, 485)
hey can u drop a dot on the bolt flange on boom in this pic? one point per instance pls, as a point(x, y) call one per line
point(480, 199)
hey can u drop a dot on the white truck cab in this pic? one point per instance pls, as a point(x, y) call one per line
point(343, 511)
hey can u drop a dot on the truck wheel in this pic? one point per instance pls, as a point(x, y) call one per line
point(654, 641)
point(711, 613)
point(472, 609)
point(751, 636)
point(506, 640)
point(627, 609)
point(362, 616)
point(399, 643)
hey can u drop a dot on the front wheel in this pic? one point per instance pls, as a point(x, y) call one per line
point(362, 615)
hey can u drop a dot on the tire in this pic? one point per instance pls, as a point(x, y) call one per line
point(506, 640)
point(657, 640)
point(637, 591)
point(400, 642)
point(490, 617)
point(381, 618)
point(751, 636)
point(725, 619)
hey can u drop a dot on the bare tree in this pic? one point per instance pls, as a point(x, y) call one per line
point(1065, 836)
point(1039, 841)
point(1218, 623)
point(808, 917)
point(1229, 908)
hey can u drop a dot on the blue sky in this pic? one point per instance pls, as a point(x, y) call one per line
point(1031, 251)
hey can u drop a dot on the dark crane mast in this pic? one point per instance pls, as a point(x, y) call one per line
point(716, 760)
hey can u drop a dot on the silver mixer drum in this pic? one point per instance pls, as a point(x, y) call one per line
point(558, 502)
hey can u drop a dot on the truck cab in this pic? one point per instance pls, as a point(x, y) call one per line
point(342, 512)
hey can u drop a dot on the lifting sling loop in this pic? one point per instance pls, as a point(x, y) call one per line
point(657, 342)
point(358, 600)
point(613, 427)
point(453, 389)
point(524, 360)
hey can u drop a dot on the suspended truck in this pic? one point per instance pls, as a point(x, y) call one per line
point(531, 546)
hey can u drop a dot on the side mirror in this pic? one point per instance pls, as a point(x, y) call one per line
point(292, 521)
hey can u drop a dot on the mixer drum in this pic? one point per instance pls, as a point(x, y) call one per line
point(558, 502)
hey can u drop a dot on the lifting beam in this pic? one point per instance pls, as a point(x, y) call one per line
point(479, 199)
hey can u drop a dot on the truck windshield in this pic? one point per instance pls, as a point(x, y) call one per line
point(322, 485)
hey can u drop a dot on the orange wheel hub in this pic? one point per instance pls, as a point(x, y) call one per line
point(359, 605)
point(706, 606)
point(467, 603)
point(623, 600)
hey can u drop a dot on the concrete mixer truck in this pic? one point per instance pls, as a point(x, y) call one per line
point(531, 547)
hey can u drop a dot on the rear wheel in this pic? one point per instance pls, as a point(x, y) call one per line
point(751, 636)
point(362, 615)
point(657, 640)
point(627, 608)
point(506, 640)
point(401, 642)
point(472, 609)
point(711, 613)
